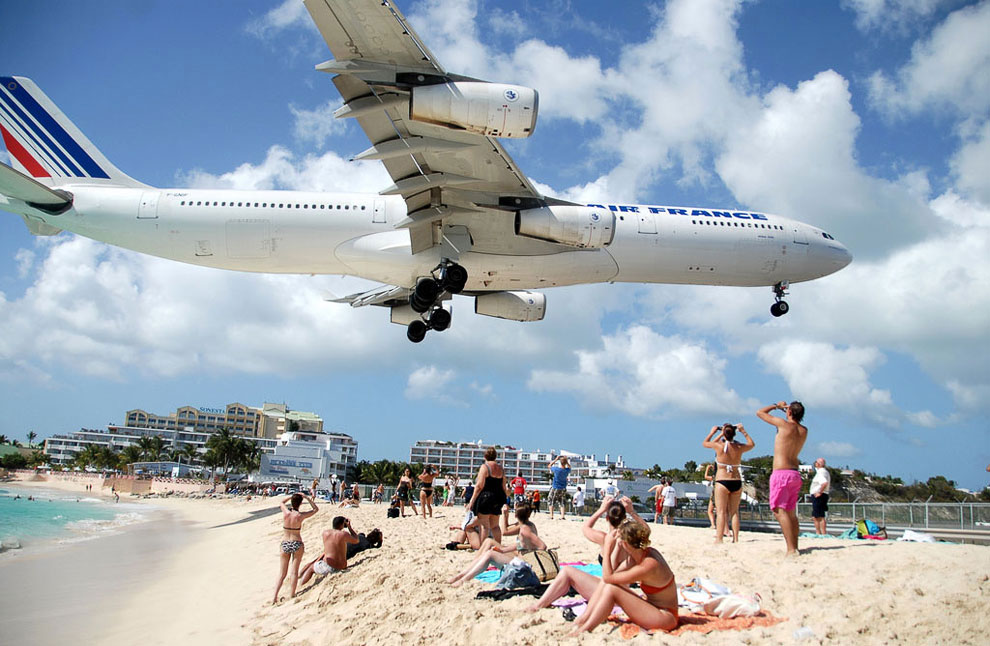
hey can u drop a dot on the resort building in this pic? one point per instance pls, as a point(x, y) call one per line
point(464, 458)
point(269, 427)
point(300, 456)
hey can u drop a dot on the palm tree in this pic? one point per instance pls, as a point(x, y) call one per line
point(129, 455)
point(157, 448)
point(249, 455)
point(30, 436)
point(3, 439)
point(88, 456)
point(212, 460)
point(191, 452)
point(145, 445)
point(222, 444)
point(37, 458)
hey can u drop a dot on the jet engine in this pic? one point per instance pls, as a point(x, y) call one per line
point(584, 227)
point(490, 109)
point(514, 306)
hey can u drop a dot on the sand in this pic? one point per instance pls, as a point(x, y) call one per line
point(215, 588)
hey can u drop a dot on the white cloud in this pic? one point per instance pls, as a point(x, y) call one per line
point(890, 14)
point(318, 125)
point(971, 167)
point(289, 14)
point(947, 71)
point(837, 449)
point(432, 383)
point(821, 375)
point(25, 261)
point(640, 372)
point(507, 23)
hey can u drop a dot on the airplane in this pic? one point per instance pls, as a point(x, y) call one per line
point(459, 219)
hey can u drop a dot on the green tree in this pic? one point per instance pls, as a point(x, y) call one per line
point(691, 466)
point(628, 475)
point(129, 455)
point(37, 458)
point(222, 443)
point(3, 439)
point(30, 438)
point(13, 461)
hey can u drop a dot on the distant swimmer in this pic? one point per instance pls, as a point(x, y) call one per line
point(785, 481)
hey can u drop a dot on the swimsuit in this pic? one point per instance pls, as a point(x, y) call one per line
point(492, 497)
point(785, 485)
point(427, 489)
point(403, 491)
point(291, 547)
point(653, 596)
point(731, 485)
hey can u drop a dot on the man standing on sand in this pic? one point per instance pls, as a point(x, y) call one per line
point(819, 495)
point(518, 485)
point(558, 486)
point(785, 481)
point(334, 557)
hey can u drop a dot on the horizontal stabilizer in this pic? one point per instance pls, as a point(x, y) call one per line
point(39, 228)
point(21, 187)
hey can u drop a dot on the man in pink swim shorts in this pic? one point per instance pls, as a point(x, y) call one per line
point(785, 481)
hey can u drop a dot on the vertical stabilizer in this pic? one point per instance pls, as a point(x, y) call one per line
point(45, 145)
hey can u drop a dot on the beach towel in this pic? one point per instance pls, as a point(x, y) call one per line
point(917, 537)
point(698, 622)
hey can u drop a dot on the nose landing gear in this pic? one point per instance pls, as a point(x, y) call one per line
point(780, 307)
point(426, 298)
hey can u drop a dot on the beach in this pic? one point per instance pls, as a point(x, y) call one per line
point(213, 585)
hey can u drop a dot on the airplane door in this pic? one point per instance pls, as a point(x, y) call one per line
point(149, 206)
point(378, 213)
point(800, 237)
point(647, 223)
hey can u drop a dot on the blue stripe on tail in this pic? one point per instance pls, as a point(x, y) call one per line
point(56, 131)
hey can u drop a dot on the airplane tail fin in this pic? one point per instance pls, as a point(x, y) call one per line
point(45, 145)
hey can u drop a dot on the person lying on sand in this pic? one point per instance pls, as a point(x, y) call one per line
point(658, 610)
point(495, 554)
point(334, 557)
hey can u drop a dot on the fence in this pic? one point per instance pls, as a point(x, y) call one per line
point(919, 515)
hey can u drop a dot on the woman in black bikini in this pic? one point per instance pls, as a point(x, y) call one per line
point(489, 495)
point(292, 544)
point(426, 490)
point(405, 485)
point(728, 477)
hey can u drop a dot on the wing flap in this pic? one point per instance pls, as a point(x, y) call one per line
point(386, 295)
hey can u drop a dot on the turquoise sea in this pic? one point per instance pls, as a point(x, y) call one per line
point(55, 515)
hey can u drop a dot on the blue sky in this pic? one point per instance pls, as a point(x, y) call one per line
point(869, 118)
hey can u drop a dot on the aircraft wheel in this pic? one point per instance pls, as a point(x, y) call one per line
point(424, 295)
point(779, 308)
point(439, 320)
point(416, 331)
point(455, 277)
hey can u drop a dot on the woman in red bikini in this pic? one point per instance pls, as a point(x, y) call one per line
point(645, 566)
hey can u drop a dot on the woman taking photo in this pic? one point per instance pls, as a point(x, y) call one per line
point(728, 478)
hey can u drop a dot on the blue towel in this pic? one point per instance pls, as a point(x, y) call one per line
point(492, 576)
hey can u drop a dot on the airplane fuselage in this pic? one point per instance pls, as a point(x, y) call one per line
point(354, 234)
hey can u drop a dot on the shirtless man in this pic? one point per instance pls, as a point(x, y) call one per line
point(335, 542)
point(785, 481)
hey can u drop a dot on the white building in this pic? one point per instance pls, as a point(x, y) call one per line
point(300, 456)
point(464, 458)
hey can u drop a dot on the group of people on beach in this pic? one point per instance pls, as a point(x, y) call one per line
point(340, 543)
point(625, 552)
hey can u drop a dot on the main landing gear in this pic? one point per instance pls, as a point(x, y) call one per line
point(427, 299)
point(780, 307)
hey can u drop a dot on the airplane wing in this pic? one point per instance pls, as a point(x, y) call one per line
point(445, 175)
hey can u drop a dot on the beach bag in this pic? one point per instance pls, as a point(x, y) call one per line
point(544, 563)
point(867, 527)
point(393, 512)
point(517, 574)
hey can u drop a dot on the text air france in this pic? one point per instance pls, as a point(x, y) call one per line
point(742, 215)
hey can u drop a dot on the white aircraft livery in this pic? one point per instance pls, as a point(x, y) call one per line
point(459, 218)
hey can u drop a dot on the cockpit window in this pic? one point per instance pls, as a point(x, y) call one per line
point(827, 236)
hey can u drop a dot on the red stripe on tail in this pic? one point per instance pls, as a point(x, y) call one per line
point(17, 151)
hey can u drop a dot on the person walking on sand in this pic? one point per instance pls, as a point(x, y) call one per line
point(489, 495)
point(578, 501)
point(558, 486)
point(518, 485)
point(820, 486)
point(785, 481)
point(710, 482)
point(727, 490)
point(426, 490)
point(657, 490)
point(404, 492)
point(292, 548)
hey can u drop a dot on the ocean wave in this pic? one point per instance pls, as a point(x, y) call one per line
point(91, 527)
